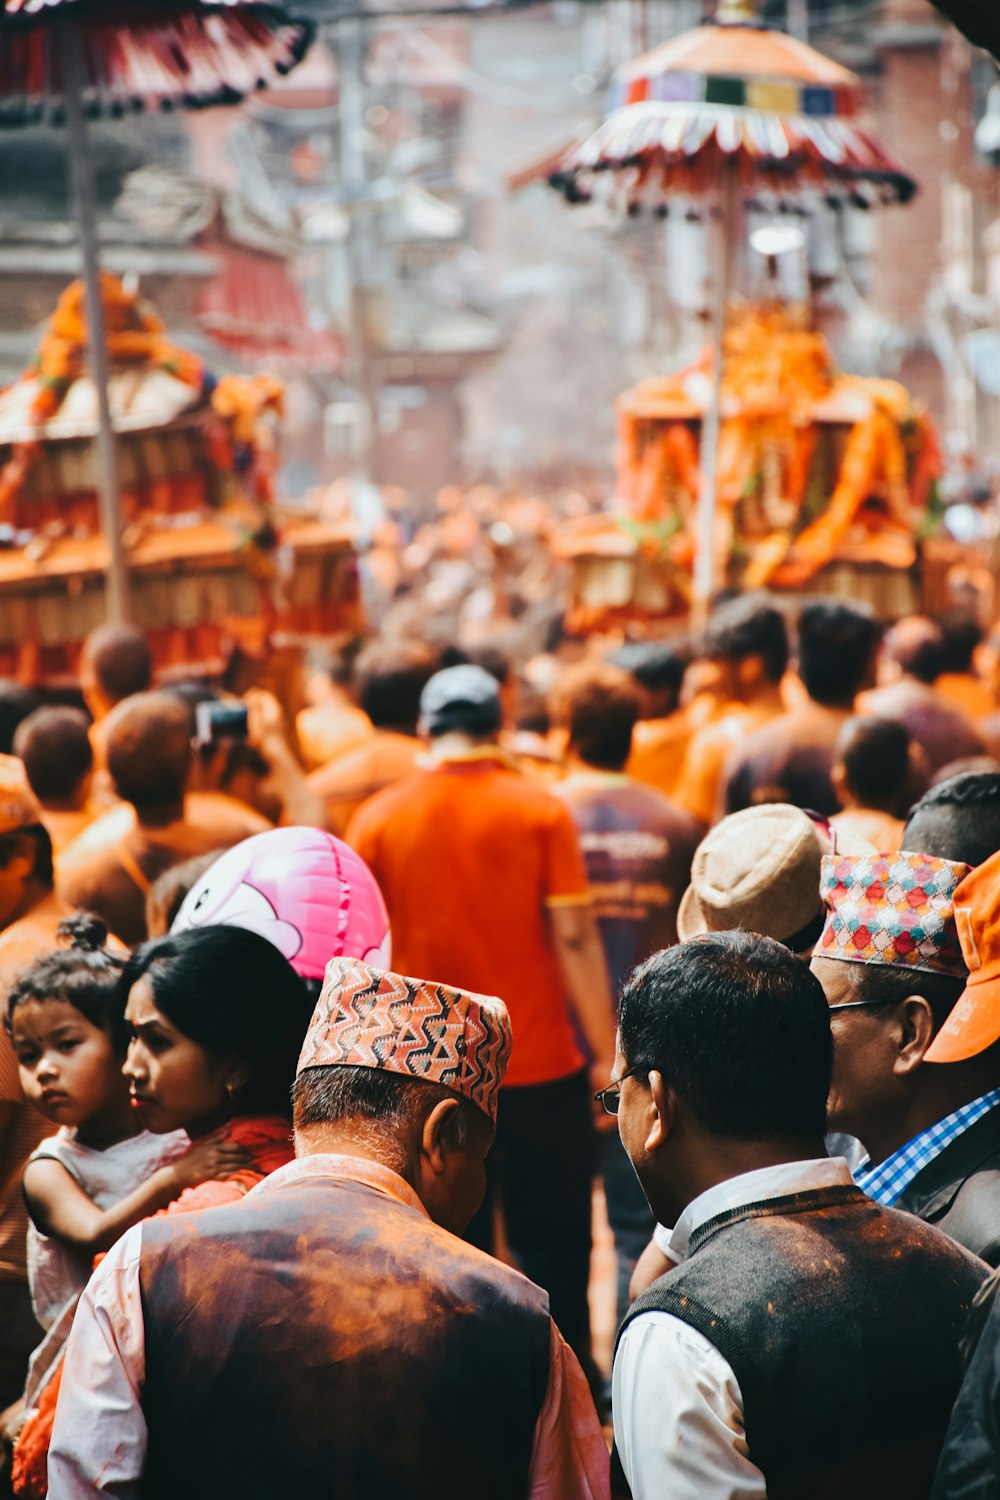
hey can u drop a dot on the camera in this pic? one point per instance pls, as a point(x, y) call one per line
point(220, 721)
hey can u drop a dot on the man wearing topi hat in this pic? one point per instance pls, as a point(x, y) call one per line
point(908, 960)
point(757, 871)
point(334, 1317)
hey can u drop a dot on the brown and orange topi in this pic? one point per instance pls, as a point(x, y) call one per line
point(369, 1018)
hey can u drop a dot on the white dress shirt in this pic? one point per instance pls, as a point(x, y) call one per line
point(99, 1439)
point(678, 1408)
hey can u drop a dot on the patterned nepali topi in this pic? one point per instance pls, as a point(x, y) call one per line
point(368, 1018)
point(892, 909)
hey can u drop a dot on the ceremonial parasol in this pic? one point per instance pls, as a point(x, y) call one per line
point(68, 60)
point(729, 112)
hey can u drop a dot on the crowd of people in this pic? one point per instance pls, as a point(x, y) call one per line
point(326, 1024)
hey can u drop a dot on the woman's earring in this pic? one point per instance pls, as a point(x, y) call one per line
point(232, 1089)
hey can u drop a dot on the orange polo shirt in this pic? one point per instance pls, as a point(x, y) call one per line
point(469, 855)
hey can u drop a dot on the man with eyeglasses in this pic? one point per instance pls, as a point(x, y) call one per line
point(805, 1343)
point(893, 963)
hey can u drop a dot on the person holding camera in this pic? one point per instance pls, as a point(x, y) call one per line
point(243, 753)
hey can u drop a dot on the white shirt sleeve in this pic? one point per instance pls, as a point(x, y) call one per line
point(678, 1414)
point(99, 1437)
point(661, 1239)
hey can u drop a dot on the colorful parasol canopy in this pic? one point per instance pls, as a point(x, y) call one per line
point(139, 53)
point(783, 115)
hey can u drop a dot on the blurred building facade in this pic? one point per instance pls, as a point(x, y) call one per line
point(433, 323)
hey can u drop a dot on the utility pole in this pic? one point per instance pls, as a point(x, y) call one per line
point(797, 19)
point(351, 48)
point(116, 591)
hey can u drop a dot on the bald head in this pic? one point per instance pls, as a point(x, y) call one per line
point(148, 742)
point(115, 663)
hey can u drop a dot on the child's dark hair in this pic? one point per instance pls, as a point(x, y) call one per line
point(232, 992)
point(84, 974)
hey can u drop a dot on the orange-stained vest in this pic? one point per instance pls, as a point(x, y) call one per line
point(326, 1339)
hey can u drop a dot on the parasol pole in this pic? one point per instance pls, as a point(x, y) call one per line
point(706, 561)
point(116, 582)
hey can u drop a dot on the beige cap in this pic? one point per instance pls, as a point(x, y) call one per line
point(759, 870)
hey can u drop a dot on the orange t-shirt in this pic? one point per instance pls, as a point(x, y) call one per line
point(699, 784)
point(469, 854)
point(658, 750)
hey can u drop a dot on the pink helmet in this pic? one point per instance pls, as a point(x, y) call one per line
point(305, 891)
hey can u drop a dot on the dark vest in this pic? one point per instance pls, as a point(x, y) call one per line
point(326, 1339)
point(960, 1190)
point(841, 1322)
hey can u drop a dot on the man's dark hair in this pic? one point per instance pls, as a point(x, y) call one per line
point(658, 670)
point(120, 659)
point(492, 659)
point(739, 1028)
point(533, 715)
point(390, 677)
point(958, 819)
point(149, 748)
point(334, 1095)
point(916, 645)
point(35, 834)
point(749, 626)
point(599, 706)
point(892, 984)
point(837, 641)
point(16, 703)
point(961, 633)
point(655, 667)
point(876, 758)
point(55, 747)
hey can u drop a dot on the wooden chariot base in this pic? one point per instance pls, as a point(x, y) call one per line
point(196, 592)
point(641, 593)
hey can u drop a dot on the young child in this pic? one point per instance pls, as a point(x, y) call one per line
point(101, 1172)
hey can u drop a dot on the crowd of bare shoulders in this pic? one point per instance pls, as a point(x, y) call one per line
point(338, 990)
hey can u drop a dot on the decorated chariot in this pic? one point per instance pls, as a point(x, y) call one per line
point(214, 557)
point(826, 483)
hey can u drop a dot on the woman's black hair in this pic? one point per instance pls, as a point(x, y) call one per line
point(84, 974)
point(233, 993)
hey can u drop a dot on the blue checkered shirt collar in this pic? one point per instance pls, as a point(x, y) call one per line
point(887, 1182)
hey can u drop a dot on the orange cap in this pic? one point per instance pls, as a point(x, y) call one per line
point(974, 1023)
point(19, 807)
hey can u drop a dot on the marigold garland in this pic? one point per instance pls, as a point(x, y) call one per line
point(778, 377)
point(134, 336)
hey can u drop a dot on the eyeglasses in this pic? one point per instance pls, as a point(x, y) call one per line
point(860, 1004)
point(610, 1098)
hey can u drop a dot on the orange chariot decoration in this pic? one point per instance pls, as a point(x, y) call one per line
point(214, 558)
point(824, 480)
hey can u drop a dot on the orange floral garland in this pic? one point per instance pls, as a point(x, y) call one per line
point(134, 335)
point(776, 374)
